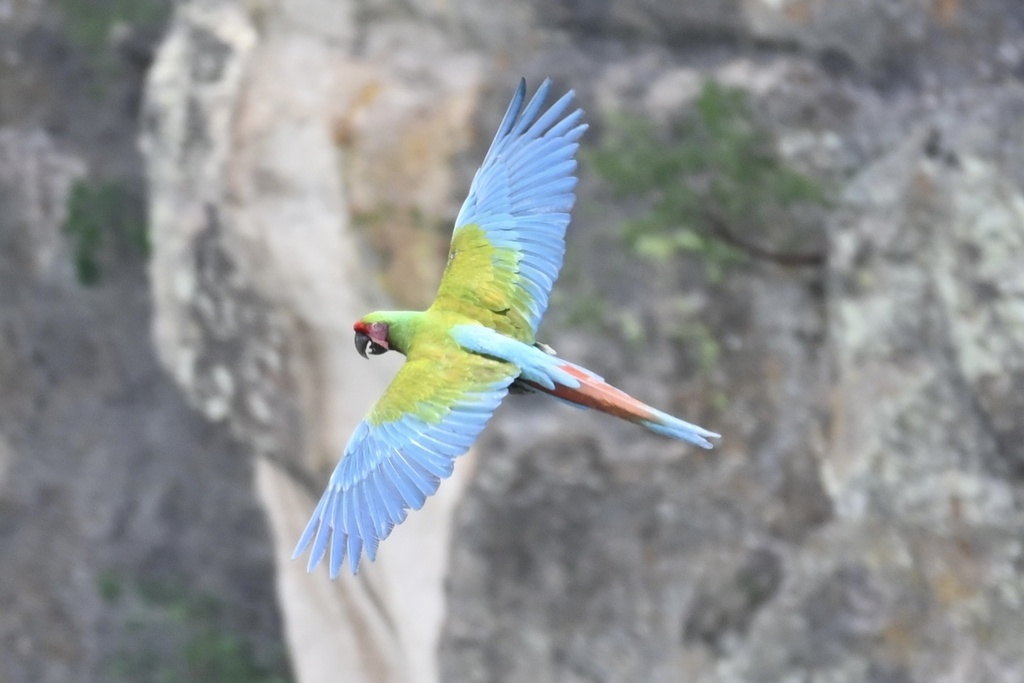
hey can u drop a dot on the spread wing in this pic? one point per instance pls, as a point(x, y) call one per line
point(431, 413)
point(509, 237)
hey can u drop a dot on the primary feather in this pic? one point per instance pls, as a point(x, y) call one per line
point(509, 236)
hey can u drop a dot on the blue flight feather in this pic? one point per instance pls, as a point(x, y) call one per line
point(523, 192)
point(387, 470)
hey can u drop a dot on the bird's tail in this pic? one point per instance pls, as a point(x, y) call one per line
point(597, 394)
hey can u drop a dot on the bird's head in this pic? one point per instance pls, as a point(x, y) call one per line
point(371, 338)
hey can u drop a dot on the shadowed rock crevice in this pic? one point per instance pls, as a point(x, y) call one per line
point(722, 610)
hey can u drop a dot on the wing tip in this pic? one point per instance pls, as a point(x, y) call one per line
point(520, 93)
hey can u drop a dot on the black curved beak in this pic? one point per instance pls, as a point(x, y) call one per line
point(366, 345)
point(363, 342)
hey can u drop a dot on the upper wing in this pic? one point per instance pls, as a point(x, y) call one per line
point(430, 414)
point(509, 237)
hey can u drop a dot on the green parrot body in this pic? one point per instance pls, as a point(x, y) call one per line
point(436, 369)
point(474, 343)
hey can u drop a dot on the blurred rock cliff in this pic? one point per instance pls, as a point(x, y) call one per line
point(800, 223)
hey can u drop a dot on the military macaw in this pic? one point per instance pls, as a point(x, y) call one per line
point(475, 343)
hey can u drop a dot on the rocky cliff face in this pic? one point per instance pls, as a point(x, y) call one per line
point(861, 518)
point(132, 545)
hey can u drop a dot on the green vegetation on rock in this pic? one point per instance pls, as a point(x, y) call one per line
point(707, 182)
point(171, 635)
point(91, 22)
point(102, 218)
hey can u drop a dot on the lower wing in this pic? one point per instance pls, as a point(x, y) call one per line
point(431, 413)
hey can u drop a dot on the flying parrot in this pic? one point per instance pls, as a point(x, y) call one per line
point(475, 343)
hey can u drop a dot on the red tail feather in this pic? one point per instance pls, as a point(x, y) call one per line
point(597, 394)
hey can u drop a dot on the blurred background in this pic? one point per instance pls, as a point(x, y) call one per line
point(800, 223)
